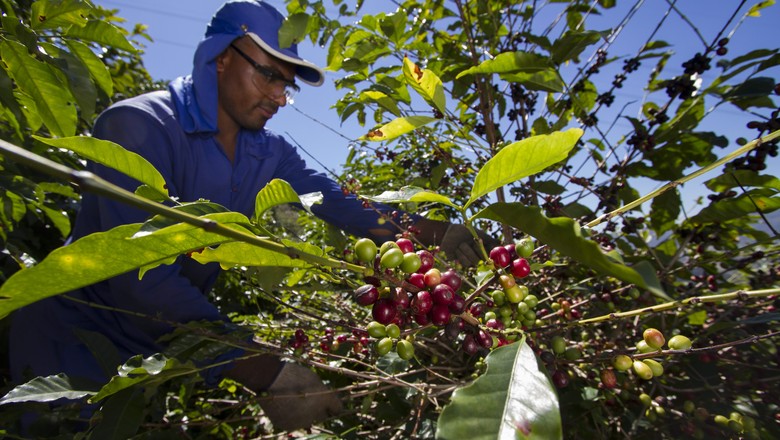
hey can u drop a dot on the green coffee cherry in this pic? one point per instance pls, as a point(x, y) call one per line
point(376, 330)
point(642, 370)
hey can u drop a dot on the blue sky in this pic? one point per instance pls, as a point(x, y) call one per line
point(176, 26)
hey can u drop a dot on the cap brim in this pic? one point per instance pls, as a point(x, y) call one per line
point(306, 71)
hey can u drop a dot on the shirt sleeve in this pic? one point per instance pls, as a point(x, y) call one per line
point(343, 211)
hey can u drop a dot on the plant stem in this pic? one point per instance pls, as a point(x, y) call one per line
point(740, 294)
point(673, 184)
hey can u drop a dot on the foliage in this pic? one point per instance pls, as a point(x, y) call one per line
point(440, 79)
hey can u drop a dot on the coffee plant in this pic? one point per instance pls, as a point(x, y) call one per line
point(607, 310)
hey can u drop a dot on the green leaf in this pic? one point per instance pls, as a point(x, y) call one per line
point(742, 205)
point(571, 45)
point(48, 14)
point(522, 159)
point(746, 178)
point(79, 83)
point(397, 127)
point(47, 389)
point(411, 194)
point(114, 156)
point(546, 80)
point(426, 83)
point(564, 235)
point(213, 211)
point(510, 62)
point(243, 254)
point(59, 219)
point(293, 29)
point(98, 257)
point(101, 32)
point(382, 99)
point(665, 211)
point(514, 399)
point(122, 415)
point(152, 370)
point(50, 97)
point(279, 192)
point(97, 69)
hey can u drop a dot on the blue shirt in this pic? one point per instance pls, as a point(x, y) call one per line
point(48, 336)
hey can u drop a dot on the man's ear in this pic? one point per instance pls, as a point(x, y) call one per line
point(222, 60)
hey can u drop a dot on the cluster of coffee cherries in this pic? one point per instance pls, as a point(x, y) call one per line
point(423, 294)
point(502, 310)
point(652, 341)
point(409, 291)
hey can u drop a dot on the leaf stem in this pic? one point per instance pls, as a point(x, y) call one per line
point(675, 183)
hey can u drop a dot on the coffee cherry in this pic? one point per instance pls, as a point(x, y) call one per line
point(452, 279)
point(521, 268)
point(608, 378)
point(416, 279)
point(470, 345)
point(453, 328)
point(498, 297)
point(512, 249)
point(401, 299)
point(432, 277)
point(376, 330)
point(642, 347)
point(572, 353)
point(622, 362)
point(679, 342)
point(405, 245)
point(655, 367)
point(457, 305)
point(531, 300)
point(558, 344)
point(524, 247)
point(391, 259)
point(384, 311)
point(516, 293)
point(426, 260)
point(560, 379)
point(645, 399)
point(393, 331)
point(506, 281)
point(365, 250)
point(484, 339)
point(500, 256)
point(422, 302)
point(386, 246)
point(439, 314)
point(366, 295)
point(405, 349)
point(383, 346)
point(442, 294)
point(643, 370)
point(421, 319)
point(654, 338)
point(411, 263)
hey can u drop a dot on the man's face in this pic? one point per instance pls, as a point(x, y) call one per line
point(248, 96)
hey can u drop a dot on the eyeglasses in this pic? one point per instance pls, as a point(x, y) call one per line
point(266, 76)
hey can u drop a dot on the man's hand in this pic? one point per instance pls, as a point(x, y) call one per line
point(298, 399)
point(455, 240)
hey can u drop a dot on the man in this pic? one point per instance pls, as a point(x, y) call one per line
point(206, 135)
